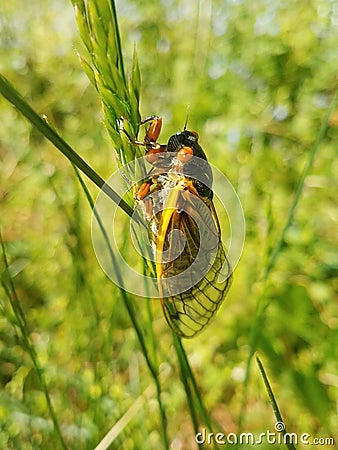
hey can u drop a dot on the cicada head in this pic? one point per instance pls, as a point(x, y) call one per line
point(185, 144)
point(186, 139)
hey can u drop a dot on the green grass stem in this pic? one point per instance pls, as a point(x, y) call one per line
point(274, 405)
point(10, 93)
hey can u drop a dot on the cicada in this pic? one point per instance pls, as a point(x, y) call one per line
point(177, 202)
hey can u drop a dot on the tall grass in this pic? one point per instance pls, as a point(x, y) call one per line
point(90, 324)
point(22, 331)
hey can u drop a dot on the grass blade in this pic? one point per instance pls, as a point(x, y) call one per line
point(274, 405)
point(8, 91)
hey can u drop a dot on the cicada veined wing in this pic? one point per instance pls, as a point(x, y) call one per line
point(190, 258)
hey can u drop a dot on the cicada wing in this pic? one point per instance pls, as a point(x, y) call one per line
point(189, 312)
point(192, 260)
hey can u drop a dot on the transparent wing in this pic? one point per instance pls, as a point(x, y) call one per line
point(193, 257)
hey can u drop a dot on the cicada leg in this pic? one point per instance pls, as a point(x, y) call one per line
point(142, 191)
point(151, 136)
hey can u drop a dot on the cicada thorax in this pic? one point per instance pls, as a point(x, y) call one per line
point(176, 198)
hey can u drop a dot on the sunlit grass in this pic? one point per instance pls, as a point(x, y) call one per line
point(102, 372)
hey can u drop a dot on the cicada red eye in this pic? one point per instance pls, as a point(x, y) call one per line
point(185, 154)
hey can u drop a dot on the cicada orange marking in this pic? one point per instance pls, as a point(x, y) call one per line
point(186, 201)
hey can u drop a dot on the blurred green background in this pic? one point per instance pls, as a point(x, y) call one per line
point(256, 79)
